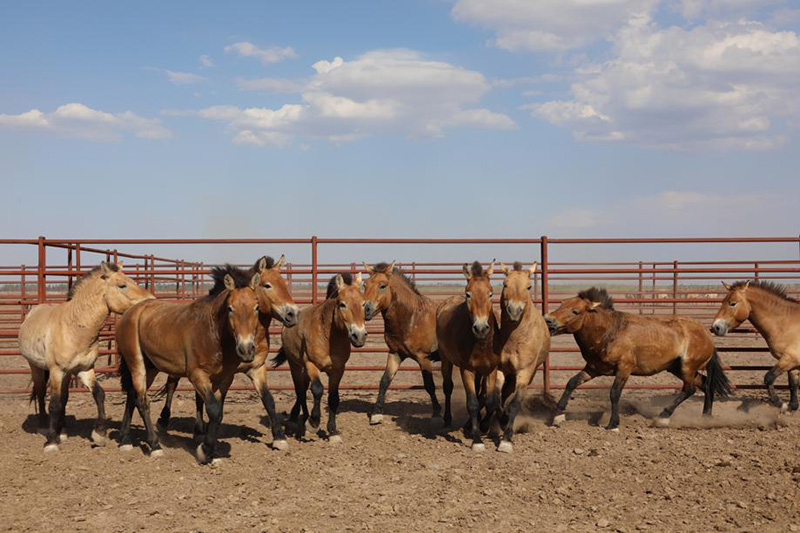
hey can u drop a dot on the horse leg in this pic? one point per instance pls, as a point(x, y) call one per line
point(259, 378)
point(62, 420)
point(576, 381)
point(784, 364)
point(688, 390)
point(794, 382)
point(316, 392)
point(426, 368)
point(200, 426)
point(89, 381)
point(58, 385)
point(334, 378)
point(473, 406)
point(125, 427)
point(392, 364)
point(166, 412)
point(140, 385)
point(492, 398)
point(447, 387)
point(616, 391)
point(513, 405)
point(301, 384)
point(39, 379)
point(202, 384)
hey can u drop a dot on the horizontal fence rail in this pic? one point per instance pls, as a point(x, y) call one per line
point(689, 287)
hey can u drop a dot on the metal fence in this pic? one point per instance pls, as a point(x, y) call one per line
point(687, 285)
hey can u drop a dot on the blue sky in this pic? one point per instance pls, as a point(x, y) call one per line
point(423, 118)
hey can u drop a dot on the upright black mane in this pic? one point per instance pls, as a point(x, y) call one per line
point(769, 286)
point(517, 266)
point(384, 268)
point(333, 292)
point(598, 295)
point(113, 267)
point(477, 269)
point(270, 263)
point(241, 278)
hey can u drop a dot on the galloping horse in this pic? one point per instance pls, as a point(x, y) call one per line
point(622, 344)
point(204, 340)
point(61, 340)
point(467, 331)
point(409, 320)
point(321, 343)
point(777, 317)
point(524, 343)
point(274, 301)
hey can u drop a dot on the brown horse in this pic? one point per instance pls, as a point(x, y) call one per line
point(409, 320)
point(524, 342)
point(777, 317)
point(204, 340)
point(321, 343)
point(61, 340)
point(274, 301)
point(622, 345)
point(467, 332)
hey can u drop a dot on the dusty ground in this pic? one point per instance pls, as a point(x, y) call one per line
point(740, 474)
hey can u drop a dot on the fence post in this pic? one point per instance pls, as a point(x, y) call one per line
point(78, 260)
point(653, 291)
point(289, 277)
point(40, 273)
point(314, 269)
point(22, 294)
point(756, 274)
point(545, 306)
point(674, 287)
point(641, 286)
point(69, 269)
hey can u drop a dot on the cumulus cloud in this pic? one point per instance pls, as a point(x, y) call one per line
point(206, 61)
point(77, 120)
point(274, 54)
point(397, 91)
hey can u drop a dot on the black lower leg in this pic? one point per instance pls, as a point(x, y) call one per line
point(769, 381)
point(794, 382)
point(687, 392)
point(616, 393)
point(473, 406)
point(447, 387)
point(56, 409)
point(143, 404)
point(166, 412)
point(316, 411)
point(572, 384)
point(269, 405)
point(386, 380)
point(199, 423)
point(511, 414)
point(214, 410)
point(430, 388)
point(125, 427)
point(333, 408)
point(492, 402)
point(100, 400)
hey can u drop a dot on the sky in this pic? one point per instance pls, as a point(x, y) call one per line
point(423, 118)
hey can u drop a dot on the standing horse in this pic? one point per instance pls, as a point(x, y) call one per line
point(777, 317)
point(62, 340)
point(321, 343)
point(524, 342)
point(274, 301)
point(623, 344)
point(467, 332)
point(409, 320)
point(204, 340)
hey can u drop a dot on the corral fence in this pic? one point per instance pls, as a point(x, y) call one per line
point(642, 281)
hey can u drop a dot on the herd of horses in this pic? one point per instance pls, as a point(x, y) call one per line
point(214, 337)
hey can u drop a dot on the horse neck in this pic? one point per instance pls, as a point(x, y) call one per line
point(327, 320)
point(213, 310)
point(88, 309)
point(404, 300)
point(596, 325)
point(768, 312)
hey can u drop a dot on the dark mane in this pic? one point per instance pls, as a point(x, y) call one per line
point(769, 286)
point(517, 266)
point(384, 268)
point(270, 263)
point(598, 295)
point(333, 292)
point(74, 289)
point(241, 278)
point(477, 269)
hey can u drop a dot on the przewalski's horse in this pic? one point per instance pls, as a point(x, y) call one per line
point(60, 340)
point(524, 343)
point(777, 317)
point(274, 301)
point(623, 344)
point(409, 320)
point(467, 332)
point(321, 342)
point(204, 340)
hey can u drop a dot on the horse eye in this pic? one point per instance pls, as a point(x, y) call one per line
point(468, 295)
point(255, 309)
point(733, 304)
point(342, 305)
point(230, 309)
point(575, 312)
point(122, 286)
point(382, 287)
point(491, 294)
point(268, 285)
point(529, 287)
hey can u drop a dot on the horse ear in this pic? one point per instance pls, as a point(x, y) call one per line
point(727, 287)
point(391, 267)
point(229, 283)
point(594, 306)
point(281, 261)
point(339, 280)
point(489, 270)
point(747, 284)
point(504, 268)
point(262, 263)
point(119, 265)
point(254, 281)
point(533, 268)
point(357, 279)
point(467, 271)
point(368, 268)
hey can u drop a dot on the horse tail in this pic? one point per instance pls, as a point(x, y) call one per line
point(125, 376)
point(435, 356)
point(718, 382)
point(32, 397)
point(279, 358)
point(160, 393)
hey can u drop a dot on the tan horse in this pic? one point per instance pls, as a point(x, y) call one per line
point(274, 301)
point(62, 340)
point(524, 342)
point(777, 318)
point(468, 336)
point(623, 344)
point(409, 320)
point(204, 340)
point(321, 343)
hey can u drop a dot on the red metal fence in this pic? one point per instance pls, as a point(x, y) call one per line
point(688, 285)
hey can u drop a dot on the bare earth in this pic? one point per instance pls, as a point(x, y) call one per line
point(739, 473)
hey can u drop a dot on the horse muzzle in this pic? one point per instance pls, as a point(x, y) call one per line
point(246, 349)
point(357, 336)
point(480, 328)
point(514, 311)
point(552, 325)
point(719, 328)
point(370, 310)
point(289, 314)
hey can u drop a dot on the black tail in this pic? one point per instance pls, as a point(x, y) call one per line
point(435, 356)
point(125, 376)
point(279, 358)
point(717, 380)
point(33, 390)
point(160, 393)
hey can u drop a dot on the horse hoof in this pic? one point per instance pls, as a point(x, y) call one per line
point(280, 444)
point(559, 419)
point(784, 407)
point(661, 422)
point(613, 430)
point(157, 453)
point(505, 447)
point(51, 448)
point(98, 439)
point(126, 447)
point(374, 420)
point(216, 461)
point(335, 439)
point(63, 438)
point(478, 447)
point(202, 458)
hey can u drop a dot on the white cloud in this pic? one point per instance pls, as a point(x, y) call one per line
point(553, 25)
point(206, 61)
point(183, 78)
point(731, 9)
point(397, 91)
point(273, 85)
point(76, 120)
point(274, 54)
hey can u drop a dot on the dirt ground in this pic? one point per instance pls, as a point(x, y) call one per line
point(738, 472)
